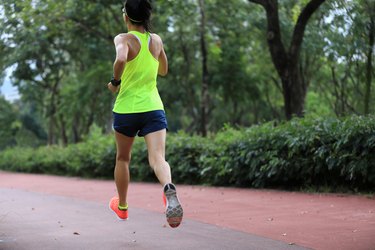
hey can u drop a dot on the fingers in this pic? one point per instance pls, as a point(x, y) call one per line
point(112, 88)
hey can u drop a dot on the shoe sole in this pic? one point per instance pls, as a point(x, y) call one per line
point(109, 206)
point(174, 211)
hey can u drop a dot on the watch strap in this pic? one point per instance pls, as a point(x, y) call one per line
point(115, 82)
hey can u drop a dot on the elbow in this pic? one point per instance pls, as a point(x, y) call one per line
point(163, 73)
point(120, 61)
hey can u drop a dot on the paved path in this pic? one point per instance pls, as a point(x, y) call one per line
point(50, 212)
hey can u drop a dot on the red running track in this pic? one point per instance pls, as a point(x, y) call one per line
point(318, 221)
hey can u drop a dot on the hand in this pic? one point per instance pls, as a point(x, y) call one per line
point(112, 88)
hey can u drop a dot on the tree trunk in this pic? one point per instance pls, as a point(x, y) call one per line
point(51, 113)
point(287, 62)
point(64, 136)
point(51, 123)
point(371, 35)
point(75, 129)
point(294, 92)
point(89, 122)
point(51, 130)
point(204, 91)
point(190, 92)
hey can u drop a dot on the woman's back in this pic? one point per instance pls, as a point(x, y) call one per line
point(138, 91)
point(155, 46)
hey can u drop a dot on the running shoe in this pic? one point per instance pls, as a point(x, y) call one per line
point(121, 214)
point(164, 200)
point(174, 211)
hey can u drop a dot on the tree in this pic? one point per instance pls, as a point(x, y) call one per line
point(346, 79)
point(286, 61)
point(181, 89)
point(224, 67)
point(8, 124)
point(369, 9)
point(57, 47)
point(241, 86)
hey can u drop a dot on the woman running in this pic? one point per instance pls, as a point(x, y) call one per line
point(138, 109)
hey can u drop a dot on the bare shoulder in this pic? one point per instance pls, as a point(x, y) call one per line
point(122, 37)
point(156, 38)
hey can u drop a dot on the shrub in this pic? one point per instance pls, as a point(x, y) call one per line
point(307, 152)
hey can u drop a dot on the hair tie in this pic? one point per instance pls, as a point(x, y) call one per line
point(133, 20)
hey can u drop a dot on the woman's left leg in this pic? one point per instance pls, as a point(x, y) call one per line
point(121, 173)
point(119, 204)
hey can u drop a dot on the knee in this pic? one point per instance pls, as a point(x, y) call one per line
point(123, 158)
point(155, 160)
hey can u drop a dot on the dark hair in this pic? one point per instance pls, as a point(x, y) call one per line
point(139, 12)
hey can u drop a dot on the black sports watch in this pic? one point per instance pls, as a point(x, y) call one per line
point(115, 82)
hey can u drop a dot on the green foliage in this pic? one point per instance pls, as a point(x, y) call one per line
point(62, 62)
point(92, 158)
point(8, 123)
point(316, 106)
point(62, 54)
point(343, 77)
point(19, 126)
point(302, 153)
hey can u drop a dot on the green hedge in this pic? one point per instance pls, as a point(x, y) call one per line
point(331, 153)
point(92, 158)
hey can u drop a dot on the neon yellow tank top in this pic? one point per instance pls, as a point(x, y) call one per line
point(138, 90)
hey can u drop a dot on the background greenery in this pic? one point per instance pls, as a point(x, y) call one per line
point(60, 56)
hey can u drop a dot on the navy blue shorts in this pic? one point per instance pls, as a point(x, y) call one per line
point(139, 124)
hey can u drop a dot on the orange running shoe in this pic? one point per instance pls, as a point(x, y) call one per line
point(174, 211)
point(164, 200)
point(121, 214)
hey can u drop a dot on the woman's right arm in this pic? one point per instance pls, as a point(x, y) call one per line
point(122, 50)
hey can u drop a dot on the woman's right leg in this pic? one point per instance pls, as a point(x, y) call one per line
point(156, 153)
point(156, 156)
point(121, 173)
